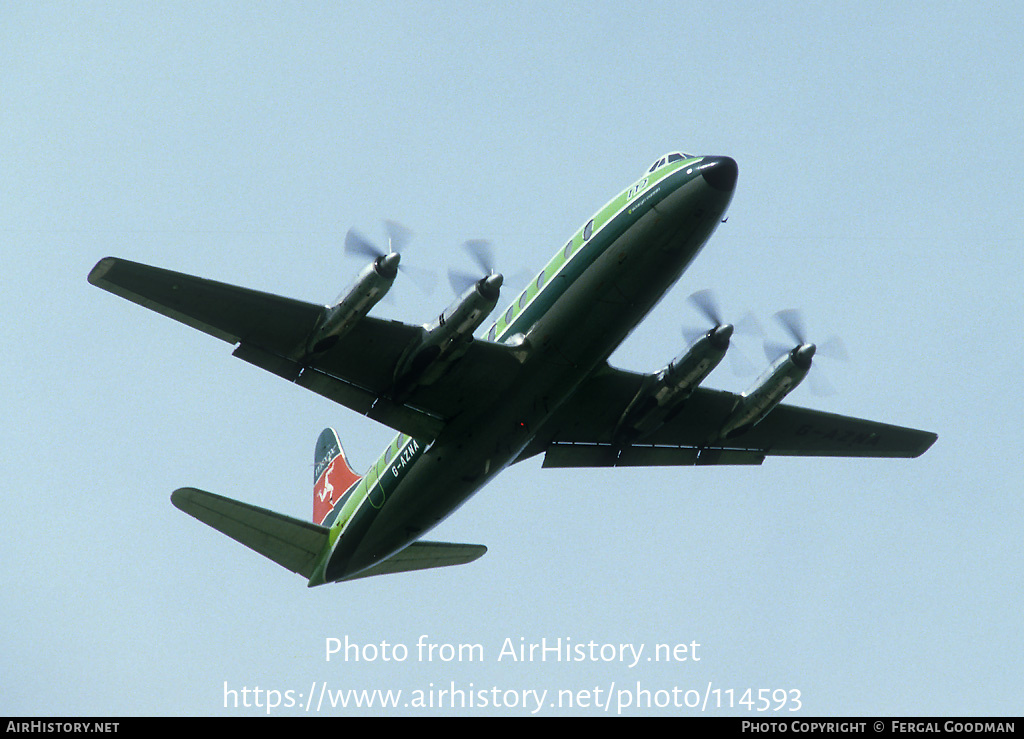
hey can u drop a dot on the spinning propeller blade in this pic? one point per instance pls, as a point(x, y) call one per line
point(792, 321)
point(482, 253)
point(398, 238)
point(707, 304)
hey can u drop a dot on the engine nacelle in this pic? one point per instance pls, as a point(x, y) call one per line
point(775, 384)
point(446, 339)
point(663, 395)
point(371, 285)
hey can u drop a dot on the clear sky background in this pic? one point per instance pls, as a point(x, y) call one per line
point(879, 153)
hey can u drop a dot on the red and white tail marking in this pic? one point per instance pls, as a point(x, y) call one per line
point(334, 478)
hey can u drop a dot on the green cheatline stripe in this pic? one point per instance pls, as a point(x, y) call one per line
point(377, 481)
point(601, 238)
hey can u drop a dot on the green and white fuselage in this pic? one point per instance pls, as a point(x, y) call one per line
point(567, 320)
point(536, 381)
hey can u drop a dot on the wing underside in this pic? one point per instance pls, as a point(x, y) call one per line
point(581, 432)
point(271, 332)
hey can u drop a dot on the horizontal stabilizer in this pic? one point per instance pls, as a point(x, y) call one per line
point(423, 555)
point(292, 543)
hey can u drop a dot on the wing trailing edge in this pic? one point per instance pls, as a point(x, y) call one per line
point(582, 432)
point(639, 455)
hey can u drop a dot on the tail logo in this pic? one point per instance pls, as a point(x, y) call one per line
point(328, 489)
point(333, 476)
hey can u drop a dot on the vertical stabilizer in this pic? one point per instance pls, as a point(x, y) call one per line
point(333, 477)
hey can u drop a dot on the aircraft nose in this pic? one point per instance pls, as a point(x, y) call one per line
point(720, 172)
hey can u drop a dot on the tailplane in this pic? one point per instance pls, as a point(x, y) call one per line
point(293, 544)
point(305, 547)
point(333, 478)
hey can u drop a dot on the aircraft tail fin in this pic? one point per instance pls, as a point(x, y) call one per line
point(293, 544)
point(333, 478)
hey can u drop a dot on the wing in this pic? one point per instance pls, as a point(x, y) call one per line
point(271, 332)
point(579, 434)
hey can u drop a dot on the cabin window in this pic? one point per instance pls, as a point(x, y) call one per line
point(509, 313)
point(491, 334)
point(540, 280)
point(568, 249)
point(588, 230)
point(522, 299)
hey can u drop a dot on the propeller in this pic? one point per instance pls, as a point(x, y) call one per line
point(792, 321)
point(398, 237)
point(707, 304)
point(483, 255)
point(358, 245)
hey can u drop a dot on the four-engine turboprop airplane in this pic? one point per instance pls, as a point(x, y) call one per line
point(537, 381)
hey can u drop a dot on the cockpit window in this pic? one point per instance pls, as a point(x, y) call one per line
point(668, 159)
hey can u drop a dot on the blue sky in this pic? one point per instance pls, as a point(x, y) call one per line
point(879, 152)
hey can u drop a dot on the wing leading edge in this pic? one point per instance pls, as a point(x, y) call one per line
point(581, 432)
